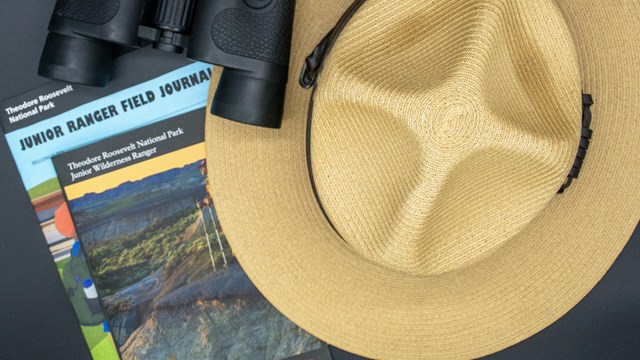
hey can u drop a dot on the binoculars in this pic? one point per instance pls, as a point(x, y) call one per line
point(250, 39)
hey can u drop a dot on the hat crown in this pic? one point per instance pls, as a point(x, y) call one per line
point(440, 129)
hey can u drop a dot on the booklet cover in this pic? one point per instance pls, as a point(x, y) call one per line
point(148, 86)
point(170, 285)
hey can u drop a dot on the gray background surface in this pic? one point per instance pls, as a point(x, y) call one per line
point(37, 321)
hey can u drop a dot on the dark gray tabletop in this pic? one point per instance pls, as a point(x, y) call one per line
point(37, 321)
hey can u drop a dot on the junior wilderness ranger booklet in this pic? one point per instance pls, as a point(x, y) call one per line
point(166, 277)
point(148, 86)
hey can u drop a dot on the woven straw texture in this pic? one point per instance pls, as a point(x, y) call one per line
point(441, 133)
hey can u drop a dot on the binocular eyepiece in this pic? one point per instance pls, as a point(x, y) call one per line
point(251, 39)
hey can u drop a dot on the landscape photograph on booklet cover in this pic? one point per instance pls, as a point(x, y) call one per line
point(168, 281)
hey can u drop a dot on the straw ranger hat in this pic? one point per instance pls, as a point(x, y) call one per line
point(410, 207)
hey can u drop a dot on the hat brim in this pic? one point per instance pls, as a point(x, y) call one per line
point(266, 204)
